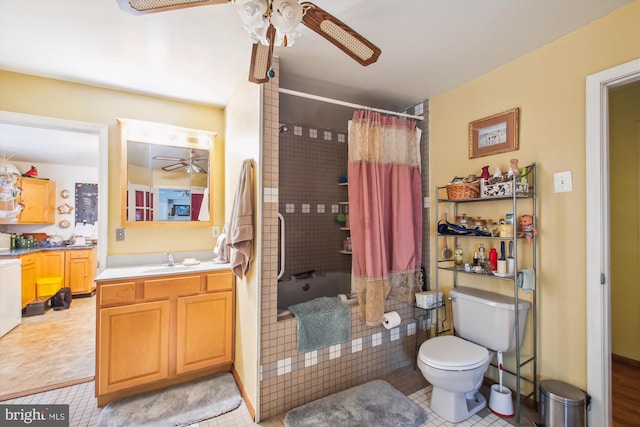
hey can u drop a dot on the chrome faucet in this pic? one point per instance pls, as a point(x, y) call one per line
point(170, 261)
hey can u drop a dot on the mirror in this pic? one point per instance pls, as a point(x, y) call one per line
point(168, 176)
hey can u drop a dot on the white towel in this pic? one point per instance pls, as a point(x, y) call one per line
point(221, 250)
point(240, 237)
point(526, 280)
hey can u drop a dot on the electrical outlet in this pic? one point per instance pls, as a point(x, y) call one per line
point(215, 231)
point(562, 182)
point(119, 234)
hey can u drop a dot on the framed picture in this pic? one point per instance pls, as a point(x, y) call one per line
point(494, 134)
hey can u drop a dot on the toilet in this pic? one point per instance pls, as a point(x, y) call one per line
point(455, 365)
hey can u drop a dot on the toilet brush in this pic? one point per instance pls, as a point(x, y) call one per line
point(500, 369)
point(500, 401)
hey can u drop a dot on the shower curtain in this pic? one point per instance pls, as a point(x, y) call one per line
point(385, 210)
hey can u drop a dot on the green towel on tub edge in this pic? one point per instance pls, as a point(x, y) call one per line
point(322, 322)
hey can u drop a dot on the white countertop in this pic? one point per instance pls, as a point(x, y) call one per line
point(153, 270)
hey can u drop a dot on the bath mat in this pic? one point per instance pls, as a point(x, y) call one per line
point(179, 405)
point(376, 403)
point(322, 322)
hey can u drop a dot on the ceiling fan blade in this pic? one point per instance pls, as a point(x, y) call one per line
point(173, 159)
point(143, 7)
point(261, 59)
point(340, 34)
point(174, 166)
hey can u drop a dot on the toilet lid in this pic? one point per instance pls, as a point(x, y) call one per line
point(449, 352)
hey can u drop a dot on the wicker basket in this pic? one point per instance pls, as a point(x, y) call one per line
point(463, 190)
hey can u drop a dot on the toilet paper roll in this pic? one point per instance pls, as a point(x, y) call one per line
point(391, 320)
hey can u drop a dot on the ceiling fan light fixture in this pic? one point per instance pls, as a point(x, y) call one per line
point(253, 14)
point(286, 15)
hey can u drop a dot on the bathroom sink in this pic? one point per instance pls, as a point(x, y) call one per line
point(168, 269)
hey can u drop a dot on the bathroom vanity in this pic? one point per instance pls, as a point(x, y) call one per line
point(159, 326)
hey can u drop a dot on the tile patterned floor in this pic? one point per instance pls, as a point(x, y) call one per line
point(84, 412)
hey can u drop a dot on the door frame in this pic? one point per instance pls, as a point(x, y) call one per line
point(101, 132)
point(598, 238)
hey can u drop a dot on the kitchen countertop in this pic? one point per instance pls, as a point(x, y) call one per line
point(17, 252)
point(118, 273)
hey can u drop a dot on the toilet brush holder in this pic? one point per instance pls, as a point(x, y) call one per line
point(500, 401)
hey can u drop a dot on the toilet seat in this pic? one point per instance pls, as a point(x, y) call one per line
point(452, 353)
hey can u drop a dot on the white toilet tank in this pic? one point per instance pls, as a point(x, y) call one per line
point(487, 318)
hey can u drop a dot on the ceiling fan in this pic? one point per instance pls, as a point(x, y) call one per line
point(189, 163)
point(274, 22)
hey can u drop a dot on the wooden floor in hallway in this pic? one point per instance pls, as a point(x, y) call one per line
point(50, 350)
point(625, 388)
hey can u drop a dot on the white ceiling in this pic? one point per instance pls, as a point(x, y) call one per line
point(201, 54)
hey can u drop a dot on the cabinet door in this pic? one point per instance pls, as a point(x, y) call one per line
point(38, 197)
point(80, 270)
point(51, 264)
point(204, 332)
point(29, 277)
point(133, 345)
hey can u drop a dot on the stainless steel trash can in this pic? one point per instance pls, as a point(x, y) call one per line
point(562, 405)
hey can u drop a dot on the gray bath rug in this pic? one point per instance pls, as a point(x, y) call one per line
point(374, 404)
point(179, 405)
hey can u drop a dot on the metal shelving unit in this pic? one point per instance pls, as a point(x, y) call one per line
point(447, 265)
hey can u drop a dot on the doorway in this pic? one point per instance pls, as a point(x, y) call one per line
point(97, 134)
point(598, 267)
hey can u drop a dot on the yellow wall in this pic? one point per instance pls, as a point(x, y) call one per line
point(548, 85)
point(624, 155)
point(53, 98)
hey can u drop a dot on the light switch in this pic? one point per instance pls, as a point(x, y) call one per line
point(119, 234)
point(562, 182)
point(215, 231)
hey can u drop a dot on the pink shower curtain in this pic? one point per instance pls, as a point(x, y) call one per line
point(385, 210)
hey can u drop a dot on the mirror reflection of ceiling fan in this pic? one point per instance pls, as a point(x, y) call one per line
point(189, 163)
point(274, 22)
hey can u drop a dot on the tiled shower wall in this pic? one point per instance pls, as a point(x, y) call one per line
point(312, 160)
point(289, 378)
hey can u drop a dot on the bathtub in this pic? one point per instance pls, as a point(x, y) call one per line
point(297, 290)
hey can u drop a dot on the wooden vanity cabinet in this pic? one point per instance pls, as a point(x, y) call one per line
point(158, 331)
point(80, 270)
point(39, 200)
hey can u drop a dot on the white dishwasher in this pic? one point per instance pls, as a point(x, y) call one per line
point(10, 294)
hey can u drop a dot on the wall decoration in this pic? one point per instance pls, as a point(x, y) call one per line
point(494, 134)
point(64, 224)
point(65, 209)
point(86, 203)
point(64, 194)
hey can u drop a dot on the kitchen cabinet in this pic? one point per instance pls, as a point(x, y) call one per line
point(513, 196)
point(157, 331)
point(29, 277)
point(39, 200)
point(51, 264)
point(80, 270)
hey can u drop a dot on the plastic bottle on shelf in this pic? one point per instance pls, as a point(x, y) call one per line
point(493, 259)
